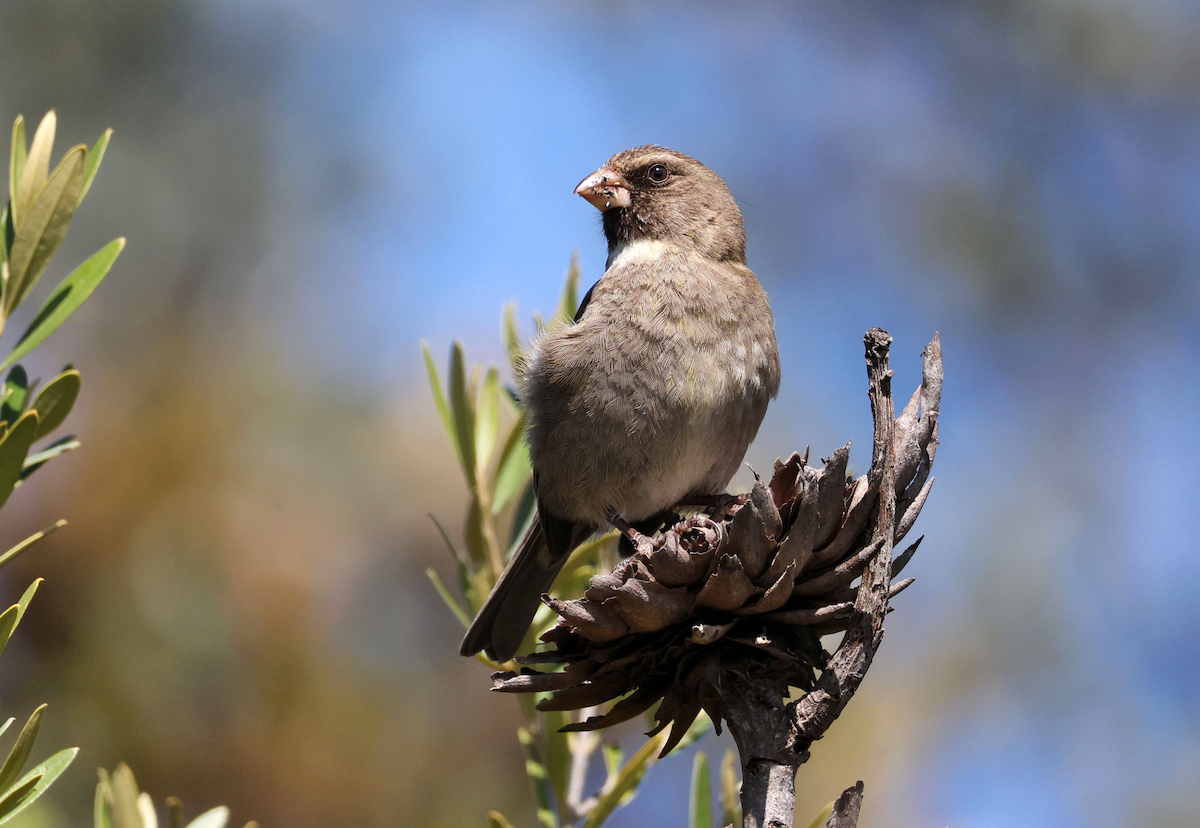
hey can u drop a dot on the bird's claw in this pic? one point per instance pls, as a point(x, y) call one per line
point(640, 543)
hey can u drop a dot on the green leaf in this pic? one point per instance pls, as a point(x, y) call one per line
point(487, 419)
point(44, 774)
point(7, 724)
point(731, 791)
point(536, 771)
point(125, 799)
point(511, 335)
point(67, 297)
point(10, 235)
point(40, 233)
point(16, 159)
point(38, 459)
point(53, 403)
point(146, 810)
point(29, 541)
point(216, 818)
point(569, 303)
point(13, 394)
point(497, 820)
point(8, 623)
point(103, 804)
point(454, 606)
point(626, 781)
point(512, 469)
point(13, 449)
point(700, 809)
point(36, 167)
point(463, 411)
point(612, 753)
point(439, 399)
point(23, 605)
point(6, 238)
point(822, 816)
point(94, 157)
point(12, 616)
point(19, 755)
point(13, 800)
point(558, 752)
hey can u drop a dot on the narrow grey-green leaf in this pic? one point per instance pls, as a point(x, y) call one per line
point(43, 777)
point(26, 597)
point(487, 419)
point(513, 469)
point(613, 754)
point(731, 791)
point(512, 339)
point(569, 302)
point(12, 800)
point(498, 820)
point(8, 623)
point(216, 818)
point(439, 399)
point(146, 810)
point(453, 605)
point(463, 412)
point(67, 297)
point(37, 166)
point(700, 806)
point(94, 157)
point(537, 775)
point(626, 781)
point(102, 805)
point(16, 160)
point(558, 752)
point(822, 816)
point(53, 403)
point(13, 394)
point(125, 797)
point(7, 724)
point(10, 235)
point(41, 231)
point(13, 449)
point(38, 459)
point(29, 541)
point(19, 755)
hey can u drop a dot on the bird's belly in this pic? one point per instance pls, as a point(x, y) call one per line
point(636, 464)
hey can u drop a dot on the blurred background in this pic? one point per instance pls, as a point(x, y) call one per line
point(239, 608)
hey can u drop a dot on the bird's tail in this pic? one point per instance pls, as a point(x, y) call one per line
point(507, 613)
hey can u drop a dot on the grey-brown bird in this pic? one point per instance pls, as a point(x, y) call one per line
point(654, 393)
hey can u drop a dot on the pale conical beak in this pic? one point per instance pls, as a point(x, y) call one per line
point(604, 189)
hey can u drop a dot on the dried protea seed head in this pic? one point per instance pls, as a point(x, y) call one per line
point(714, 603)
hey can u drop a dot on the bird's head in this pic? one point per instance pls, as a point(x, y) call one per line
point(654, 193)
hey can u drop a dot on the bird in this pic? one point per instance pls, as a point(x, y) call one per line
point(650, 398)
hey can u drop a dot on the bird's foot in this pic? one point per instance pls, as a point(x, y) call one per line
point(632, 536)
point(718, 506)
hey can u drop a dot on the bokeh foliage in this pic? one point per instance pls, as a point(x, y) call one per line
point(35, 219)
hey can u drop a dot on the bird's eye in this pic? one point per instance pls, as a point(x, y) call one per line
point(659, 173)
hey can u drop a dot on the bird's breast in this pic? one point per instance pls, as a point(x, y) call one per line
point(654, 393)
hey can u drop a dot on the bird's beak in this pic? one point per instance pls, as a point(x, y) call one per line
point(604, 189)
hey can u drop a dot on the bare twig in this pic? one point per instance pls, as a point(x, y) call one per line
point(774, 739)
point(845, 810)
